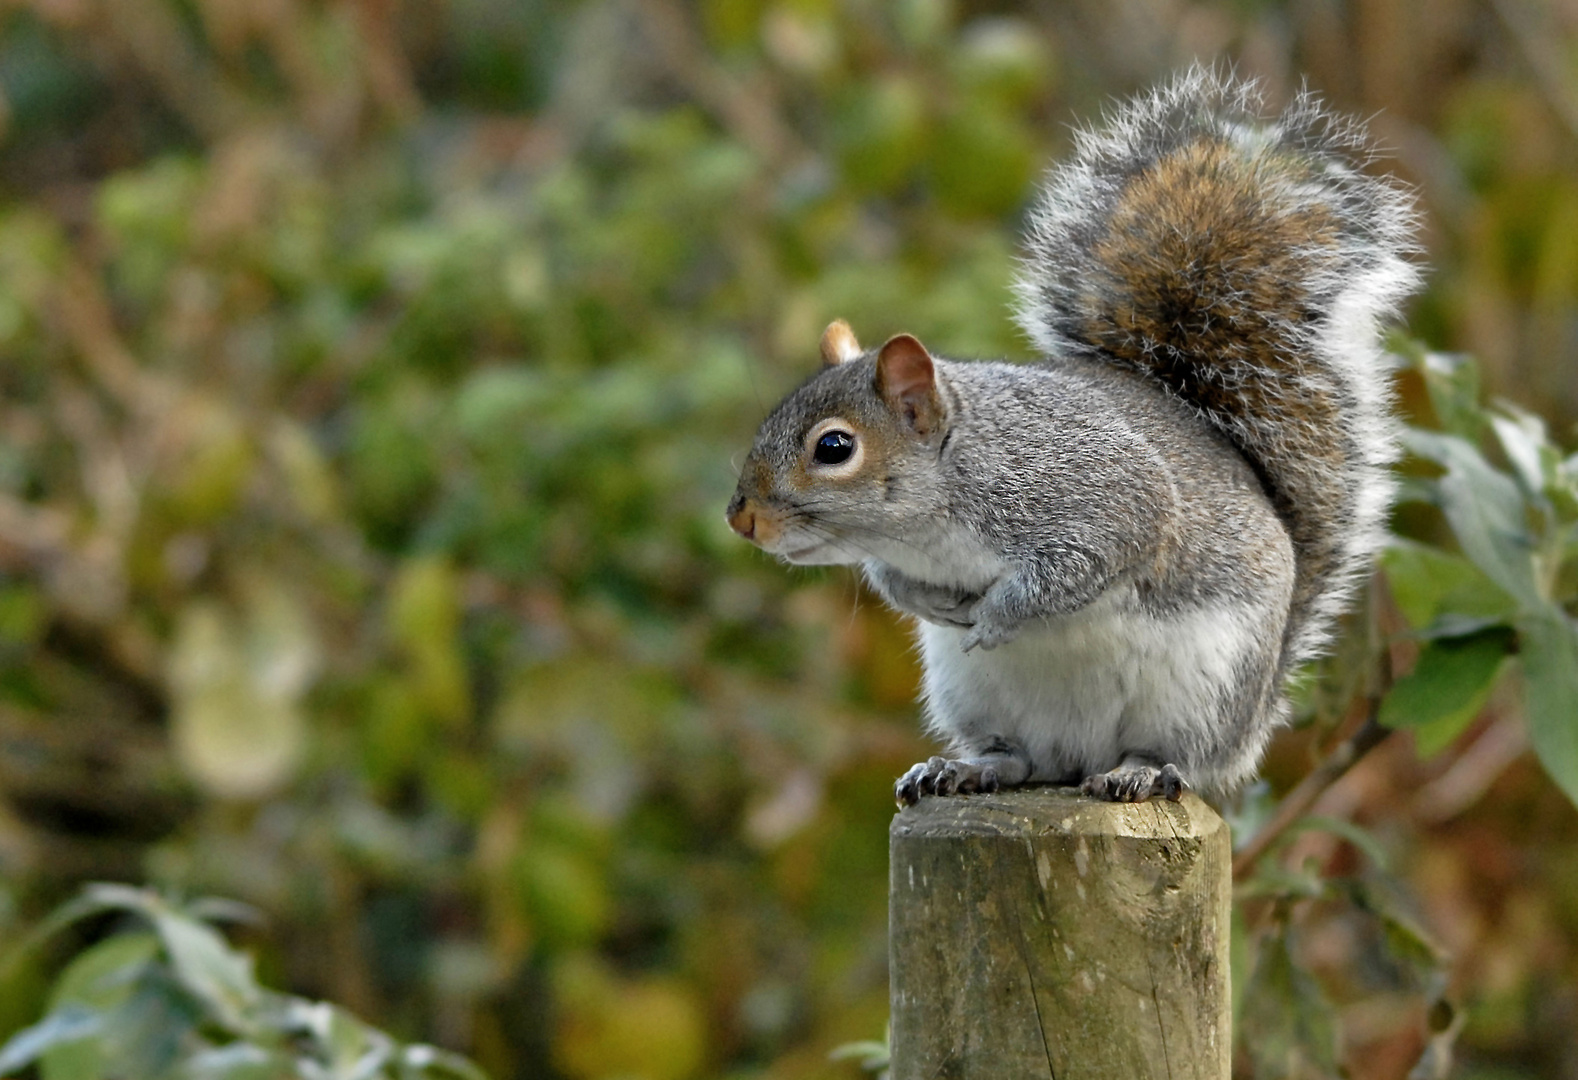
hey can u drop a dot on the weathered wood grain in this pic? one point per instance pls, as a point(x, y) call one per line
point(1038, 933)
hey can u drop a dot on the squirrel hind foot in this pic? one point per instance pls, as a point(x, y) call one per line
point(1134, 782)
point(945, 776)
point(1000, 764)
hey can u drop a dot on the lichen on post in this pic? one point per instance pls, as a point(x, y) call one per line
point(1041, 933)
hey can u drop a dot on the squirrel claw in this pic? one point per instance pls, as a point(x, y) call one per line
point(1136, 783)
point(944, 776)
point(985, 636)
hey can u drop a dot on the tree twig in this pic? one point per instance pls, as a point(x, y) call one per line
point(1343, 757)
point(747, 110)
point(1544, 58)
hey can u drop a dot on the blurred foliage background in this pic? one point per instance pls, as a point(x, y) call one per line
point(371, 378)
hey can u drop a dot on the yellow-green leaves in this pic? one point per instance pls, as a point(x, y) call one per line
point(210, 458)
point(1486, 511)
point(1005, 58)
point(1510, 591)
point(424, 621)
point(168, 996)
point(882, 133)
point(1290, 1025)
point(1438, 590)
point(146, 215)
point(305, 471)
point(612, 1025)
point(237, 677)
point(1446, 689)
point(31, 252)
point(983, 159)
point(1549, 653)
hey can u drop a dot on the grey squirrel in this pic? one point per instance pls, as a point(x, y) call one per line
point(1117, 555)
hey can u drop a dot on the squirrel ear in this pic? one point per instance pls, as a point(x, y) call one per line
point(838, 344)
point(906, 380)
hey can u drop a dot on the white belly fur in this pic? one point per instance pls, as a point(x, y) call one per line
point(1080, 691)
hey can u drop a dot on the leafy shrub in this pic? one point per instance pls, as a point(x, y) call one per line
point(370, 392)
point(166, 997)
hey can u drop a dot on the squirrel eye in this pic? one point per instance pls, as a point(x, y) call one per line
point(834, 448)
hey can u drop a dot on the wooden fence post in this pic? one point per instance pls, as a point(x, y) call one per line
point(1038, 933)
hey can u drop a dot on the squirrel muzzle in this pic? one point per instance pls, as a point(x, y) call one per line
point(742, 517)
point(760, 525)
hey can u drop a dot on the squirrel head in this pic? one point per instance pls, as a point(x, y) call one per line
point(842, 462)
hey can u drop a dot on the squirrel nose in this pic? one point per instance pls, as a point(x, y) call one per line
point(742, 520)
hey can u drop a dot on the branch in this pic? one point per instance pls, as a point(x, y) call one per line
point(1545, 58)
point(747, 110)
point(1343, 757)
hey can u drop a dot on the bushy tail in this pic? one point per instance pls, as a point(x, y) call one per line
point(1246, 264)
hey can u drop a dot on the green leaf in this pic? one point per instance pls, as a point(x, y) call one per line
point(982, 160)
point(1005, 58)
point(205, 965)
point(236, 1061)
point(1452, 381)
point(880, 129)
point(95, 899)
point(1446, 689)
point(1524, 440)
point(1550, 674)
point(333, 1042)
point(871, 1053)
point(564, 892)
point(424, 616)
point(102, 979)
point(1355, 835)
point(1289, 1026)
point(1537, 460)
point(1486, 511)
point(219, 909)
point(1272, 880)
point(1429, 585)
point(1240, 955)
point(419, 1059)
point(354, 1049)
point(238, 728)
point(62, 1027)
point(1407, 939)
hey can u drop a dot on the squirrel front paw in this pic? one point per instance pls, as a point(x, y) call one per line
point(940, 604)
point(987, 634)
point(945, 607)
point(998, 617)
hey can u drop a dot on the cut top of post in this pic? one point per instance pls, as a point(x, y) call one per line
point(1043, 933)
point(1041, 811)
